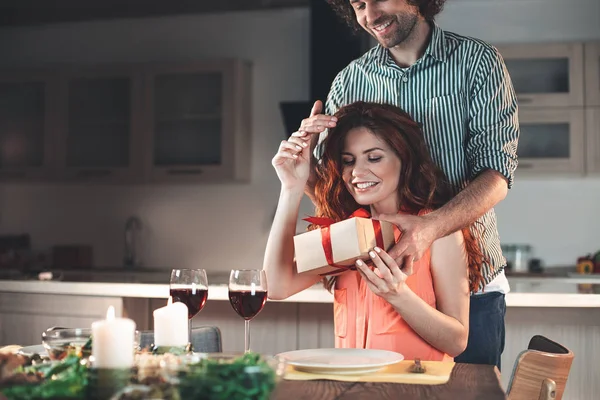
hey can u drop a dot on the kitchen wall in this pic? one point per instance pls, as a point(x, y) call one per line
point(226, 226)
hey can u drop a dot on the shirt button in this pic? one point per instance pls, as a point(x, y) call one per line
point(405, 79)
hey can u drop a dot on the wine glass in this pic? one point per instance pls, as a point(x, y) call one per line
point(189, 286)
point(247, 295)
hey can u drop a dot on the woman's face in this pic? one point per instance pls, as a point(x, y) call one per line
point(371, 170)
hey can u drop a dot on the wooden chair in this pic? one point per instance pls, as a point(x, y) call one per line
point(541, 371)
point(205, 339)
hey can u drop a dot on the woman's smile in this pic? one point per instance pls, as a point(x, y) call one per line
point(371, 170)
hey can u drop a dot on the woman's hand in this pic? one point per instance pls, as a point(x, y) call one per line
point(292, 161)
point(387, 280)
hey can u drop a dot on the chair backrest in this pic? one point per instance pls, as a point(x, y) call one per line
point(545, 364)
point(205, 339)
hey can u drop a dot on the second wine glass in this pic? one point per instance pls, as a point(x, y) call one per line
point(247, 295)
point(190, 287)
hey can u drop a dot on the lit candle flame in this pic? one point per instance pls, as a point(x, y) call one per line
point(110, 313)
point(170, 301)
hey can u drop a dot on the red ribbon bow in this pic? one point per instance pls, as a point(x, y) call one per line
point(325, 223)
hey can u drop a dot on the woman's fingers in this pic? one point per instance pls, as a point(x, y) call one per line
point(287, 145)
point(378, 284)
point(302, 143)
point(282, 156)
point(292, 147)
point(391, 265)
point(384, 270)
point(373, 287)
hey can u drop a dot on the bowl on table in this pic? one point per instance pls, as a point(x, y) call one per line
point(59, 342)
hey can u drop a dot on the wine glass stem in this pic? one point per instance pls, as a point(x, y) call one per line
point(190, 333)
point(247, 337)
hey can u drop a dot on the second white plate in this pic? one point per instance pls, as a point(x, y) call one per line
point(341, 361)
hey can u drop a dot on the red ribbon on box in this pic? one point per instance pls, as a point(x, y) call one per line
point(325, 223)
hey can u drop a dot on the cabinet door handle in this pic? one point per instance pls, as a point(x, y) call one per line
point(184, 171)
point(94, 173)
point(525, 165)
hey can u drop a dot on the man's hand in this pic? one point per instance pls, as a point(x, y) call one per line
point(418, 233)
point(313, 126)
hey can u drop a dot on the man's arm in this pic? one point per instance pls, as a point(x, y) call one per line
point(419, 232)
point(491, 151)
point(481, 195)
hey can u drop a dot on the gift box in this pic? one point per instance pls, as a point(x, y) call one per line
point(336, 246)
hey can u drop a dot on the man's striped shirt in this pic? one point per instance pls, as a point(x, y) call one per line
point(461, 94)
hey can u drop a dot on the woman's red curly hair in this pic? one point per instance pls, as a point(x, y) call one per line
point(422, 185)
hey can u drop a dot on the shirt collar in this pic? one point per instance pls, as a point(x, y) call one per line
point(437, 44)
point(435, 49)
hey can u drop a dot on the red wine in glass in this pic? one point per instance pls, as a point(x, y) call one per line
point(247, 295)
point(247, 303)
point(190, 287)
point(193, 298)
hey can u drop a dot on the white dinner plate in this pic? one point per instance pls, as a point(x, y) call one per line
point(341, 361)
point(31, 350)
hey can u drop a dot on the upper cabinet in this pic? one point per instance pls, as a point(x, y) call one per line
point(198, 122)
point(551, 142)
point(592, 74)
point(27, 120)
point(592, 97)
point(100, 131)
point(593, 140)
point(130, 123)
point(546, 75)
point(558, 89)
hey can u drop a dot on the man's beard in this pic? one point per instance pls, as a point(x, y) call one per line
point(403, 24)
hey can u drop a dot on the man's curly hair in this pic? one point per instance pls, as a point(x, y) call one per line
point(427, 8)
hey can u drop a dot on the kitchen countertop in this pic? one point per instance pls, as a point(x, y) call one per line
point(525, 291)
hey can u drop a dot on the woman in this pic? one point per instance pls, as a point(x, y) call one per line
point(376, 158)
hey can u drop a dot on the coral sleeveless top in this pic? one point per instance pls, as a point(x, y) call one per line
point(364, 320)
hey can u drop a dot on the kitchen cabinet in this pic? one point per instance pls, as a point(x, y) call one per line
point(138, 123)
point(558, 88)
point(27, 120)
point(546, 74)
point(592, 113)
point(592, 122)
point(198, 122)
point(551, 142)
point(24, 316)
point(100, 127)
point(592, 73)
point(273, 330)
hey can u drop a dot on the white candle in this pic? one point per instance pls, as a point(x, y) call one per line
point(171, 325)
point(113, 341)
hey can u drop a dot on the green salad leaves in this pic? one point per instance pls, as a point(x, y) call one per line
point(245, 377)
point(63, 380)
point(248, 377)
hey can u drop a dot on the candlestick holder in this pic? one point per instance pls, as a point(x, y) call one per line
point(103, 383)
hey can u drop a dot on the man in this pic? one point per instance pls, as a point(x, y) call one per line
point(458, 88)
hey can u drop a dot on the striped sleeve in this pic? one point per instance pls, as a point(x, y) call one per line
point(493, 118)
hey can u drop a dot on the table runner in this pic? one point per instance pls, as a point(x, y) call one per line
point(436, 373)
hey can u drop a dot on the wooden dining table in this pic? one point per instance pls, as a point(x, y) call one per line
point(467, 381)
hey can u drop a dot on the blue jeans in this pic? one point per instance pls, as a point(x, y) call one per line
point(486, 330)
